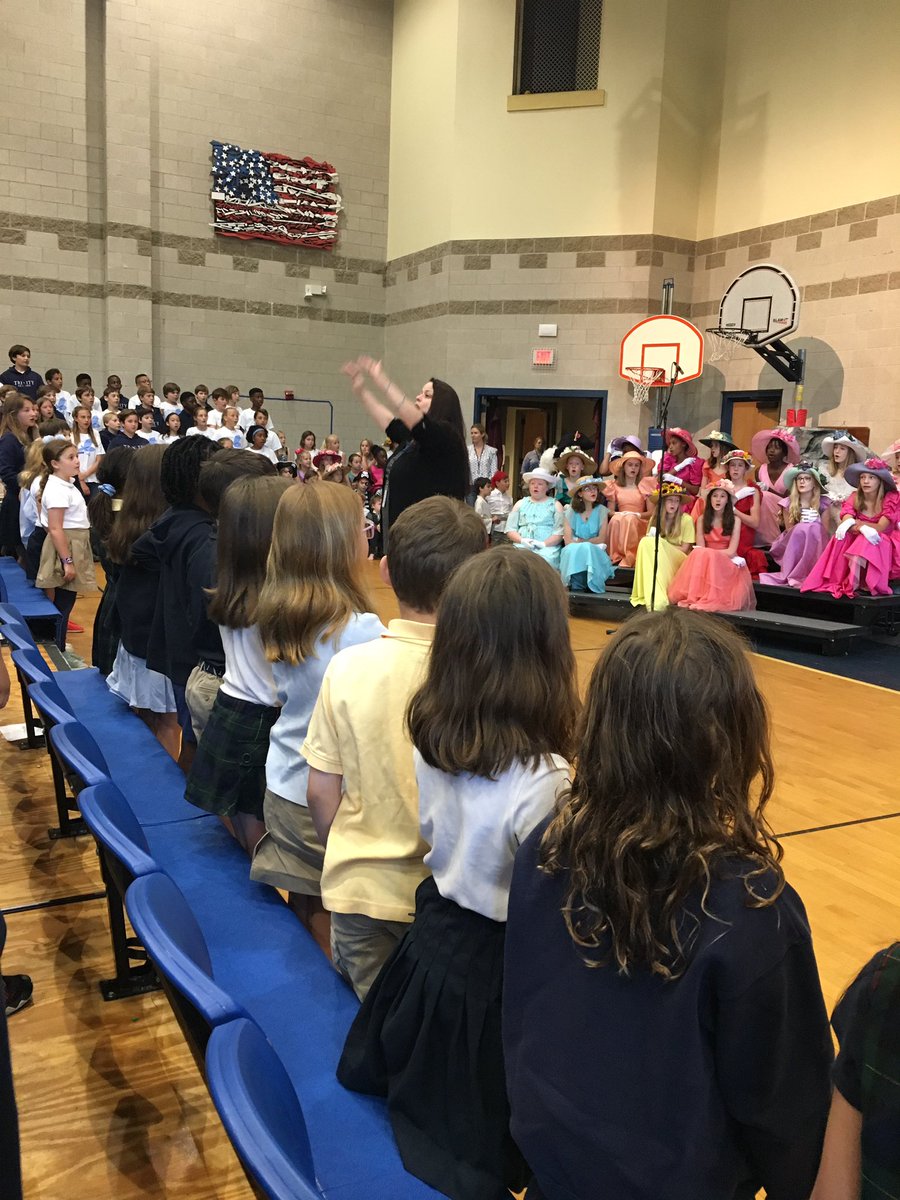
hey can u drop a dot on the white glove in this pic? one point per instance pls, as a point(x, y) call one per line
point(738, 561)
point(808, 516)
point(872, 536)
point(601, 545)
point(841, 532)
point(655, 531)
point(670, 478)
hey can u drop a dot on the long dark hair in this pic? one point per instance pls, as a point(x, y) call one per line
point(728, 517)
point(672, 779)
point(246, 517)
point(142, 502)
point(445, 407)
point(113, 470)
point(500, 687)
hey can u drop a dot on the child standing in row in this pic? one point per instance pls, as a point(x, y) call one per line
point(90, 449)
point(674, 530)
point(491, 758)
point(805, 537)
point(714, 578)
point(67, 561)
point(584, 564)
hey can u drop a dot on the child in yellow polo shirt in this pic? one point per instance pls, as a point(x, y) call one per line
point(362, 791)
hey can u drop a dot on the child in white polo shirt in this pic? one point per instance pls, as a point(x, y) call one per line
point(362, 790)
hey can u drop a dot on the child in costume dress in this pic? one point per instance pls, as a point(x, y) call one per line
point(805, 536)
point(536, 522)
point(719, 444)
point(675, 531)
point(491, 759)
point(571, 464)
point(627, 497)
point(865, 550)
point(841, 450)
point(584, 564)
point(616, 448)
point(714, 578)
point(681, 463)
point(776, 449)
point(892, 458)
point(746, 495)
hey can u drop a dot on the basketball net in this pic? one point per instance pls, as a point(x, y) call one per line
point(643, 379)
point(723, 343)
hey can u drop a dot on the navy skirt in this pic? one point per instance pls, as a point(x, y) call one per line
point(428, 1038)
point(228, 773)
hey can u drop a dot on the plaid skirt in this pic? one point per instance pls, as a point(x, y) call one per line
point(229, 769)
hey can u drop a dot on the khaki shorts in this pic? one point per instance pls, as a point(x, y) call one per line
point(200, 695)
point(290, 855)
point(361, 945)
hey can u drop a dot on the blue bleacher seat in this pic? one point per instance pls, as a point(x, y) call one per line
point(18, 590)
point(260, 1111)
point(273, 972)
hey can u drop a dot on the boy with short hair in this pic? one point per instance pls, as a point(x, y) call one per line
point(171, 392)
point(362, 788)
point(65, 402)
point(219, 404)
point(20, 375)
point(248, 415)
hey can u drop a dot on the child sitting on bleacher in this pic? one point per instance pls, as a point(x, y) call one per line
point(491, 757)
point(362, 789)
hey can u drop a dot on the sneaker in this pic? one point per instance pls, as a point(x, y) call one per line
point(73, 628)
point(18, 990)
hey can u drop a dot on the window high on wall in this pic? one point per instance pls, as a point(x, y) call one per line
point(557, 46)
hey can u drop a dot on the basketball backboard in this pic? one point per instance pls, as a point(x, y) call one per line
point(763, 302)
point(660, 342)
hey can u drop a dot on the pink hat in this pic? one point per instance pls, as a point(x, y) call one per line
point(872, 466)
point(760, 440)
point(674, 431)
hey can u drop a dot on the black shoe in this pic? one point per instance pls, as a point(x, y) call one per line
point(18, 990)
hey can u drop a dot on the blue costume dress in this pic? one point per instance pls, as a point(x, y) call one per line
point(538, 519)
point(580, 557)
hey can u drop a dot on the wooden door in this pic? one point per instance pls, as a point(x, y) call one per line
point(750, 416)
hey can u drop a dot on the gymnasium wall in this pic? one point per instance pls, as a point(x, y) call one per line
point(107, 258)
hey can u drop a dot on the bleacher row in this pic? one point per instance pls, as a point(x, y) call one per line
point(263, 1011)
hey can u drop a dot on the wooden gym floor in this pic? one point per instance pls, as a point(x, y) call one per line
point(110, 1102)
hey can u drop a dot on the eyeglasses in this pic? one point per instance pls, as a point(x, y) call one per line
point(369, 530)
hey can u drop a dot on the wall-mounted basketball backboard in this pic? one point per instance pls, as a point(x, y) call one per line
point(655, 344)
point(763, 303)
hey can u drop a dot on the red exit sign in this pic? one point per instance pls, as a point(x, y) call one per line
point(543, 357)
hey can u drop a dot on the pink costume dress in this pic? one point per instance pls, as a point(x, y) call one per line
point(710, 582)
point(627, 525)
point(772, 495)
point(689, 470)
point(710, 477)
point(834, 570)
point(798, 550)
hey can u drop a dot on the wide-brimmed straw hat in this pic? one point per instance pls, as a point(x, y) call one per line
point(872, 466)
point(760, 440)
point(632, 456)
point(738, 456)
point(854, 445)
point(676, 431)
point(804, 468)
point(577, 485)
point(718, 438)
point(540, 473)
point(563, 457)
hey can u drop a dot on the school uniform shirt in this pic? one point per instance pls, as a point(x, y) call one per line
point(28, 511)
point(207, 433)
point(265, 452)
point(40, 515)
point(245, 420)
point(65, 402)
point(248, 673)
point(475, 826)
point(373, 860)
point(298, 687)
point(500, 505)
point(238, 441)
point(89, 455)
point(272, 441)
point(130, 443)
point(708, 1087)
point(61, 493)
point(151, 436)
point(215, 418)
point(166, 409)
point(26, 383)
point(136, 402)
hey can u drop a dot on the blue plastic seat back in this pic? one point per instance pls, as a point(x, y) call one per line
point(9, 614)
point(111, 820)
point(28, 660)
point(50, 703)
point(80, 753)
point(4, 591)
point(260, 1111)
point(19, 636)
point(173, 939)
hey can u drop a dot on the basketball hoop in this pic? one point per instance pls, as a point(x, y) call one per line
point(643, 379)
point(723, 343)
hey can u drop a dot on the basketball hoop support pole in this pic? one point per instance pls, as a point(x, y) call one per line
point(779, 355)
point(662, 422)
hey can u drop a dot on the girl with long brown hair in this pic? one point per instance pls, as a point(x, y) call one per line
point(313, 604)
point(491, 725)
point(228, 774)
point(663, 1021)
point(18, 418)
point(714, 578)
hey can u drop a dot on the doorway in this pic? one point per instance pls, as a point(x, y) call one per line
point(746, 413)
point(514, 417)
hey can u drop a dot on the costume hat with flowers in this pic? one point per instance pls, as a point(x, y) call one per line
point(872, 466)
point(676, 431)
point(540, 473)
point(893, 448)
point(563, 457)
point(738, 456)
point(854, 445)
point(577, 485)
point(804, 468)
point(717, 438)
point(676, 491)
point(617, 464)
point(760, 440)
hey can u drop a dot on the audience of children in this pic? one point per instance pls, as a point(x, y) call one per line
point(583, 562)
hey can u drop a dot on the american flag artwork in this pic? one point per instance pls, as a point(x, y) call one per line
point(257, 194)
